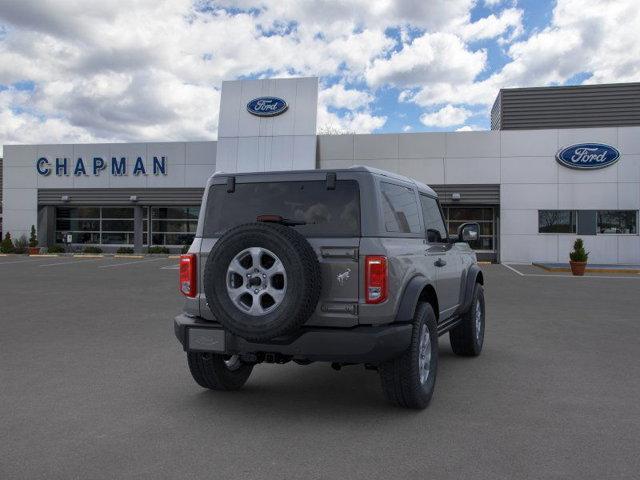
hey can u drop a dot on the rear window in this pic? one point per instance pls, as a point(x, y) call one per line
point(326, 213)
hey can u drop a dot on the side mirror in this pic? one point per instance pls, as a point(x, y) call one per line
point(468, 232)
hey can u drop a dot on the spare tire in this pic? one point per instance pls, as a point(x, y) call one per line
point(262, 280)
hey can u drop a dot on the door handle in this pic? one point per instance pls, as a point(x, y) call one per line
point(440, 263)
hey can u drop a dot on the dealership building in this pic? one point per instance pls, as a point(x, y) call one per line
point(559, 162)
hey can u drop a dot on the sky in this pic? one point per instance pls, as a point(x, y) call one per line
point(77, 71)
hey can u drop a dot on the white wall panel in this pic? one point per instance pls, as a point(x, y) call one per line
point(473, 144)
point(472, 170)
point(587, 196)
point(629, 249)
point(200, 153)
point(421, 145)
point(375, 147)
point(20, 177)
point(629, 168)
point(425, 170)
point(529, 170)
point(629, 140)
point(519, 222)
point(570, 136)
point(629, 196)
point(20, 156)
point(529, 143)
point(335, 147)
point(529, 196)
point(197, 175)
point(528, 248)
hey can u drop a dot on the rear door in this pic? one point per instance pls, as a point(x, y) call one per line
point(441, 257)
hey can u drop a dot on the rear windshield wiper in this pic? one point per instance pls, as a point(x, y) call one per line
point(279, 219)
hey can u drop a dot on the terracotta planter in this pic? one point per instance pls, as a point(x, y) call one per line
point(578, 268)
point(34, 250)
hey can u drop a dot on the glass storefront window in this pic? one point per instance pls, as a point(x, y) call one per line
point(173, 225)
point(556, 221)
point(95, 225)
point(618, 221)
point(456, 216)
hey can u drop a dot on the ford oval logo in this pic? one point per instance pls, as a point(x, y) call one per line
point(588, 156)
point(267, 106)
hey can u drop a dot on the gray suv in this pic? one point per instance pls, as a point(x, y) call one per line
point(351, 266)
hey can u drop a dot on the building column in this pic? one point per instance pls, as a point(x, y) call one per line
point(46, 228)
point(138, 228)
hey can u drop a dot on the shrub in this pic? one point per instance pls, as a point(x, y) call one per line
point(125, 250)
point(91, 249)
point(55, 249)
point(7, 244)
point(21, 245)
point(33, 238)
point(578, 254)
point(158, 249)
point(185, 248)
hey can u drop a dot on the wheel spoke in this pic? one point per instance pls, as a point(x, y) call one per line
point(256, 255)
point(236, 267)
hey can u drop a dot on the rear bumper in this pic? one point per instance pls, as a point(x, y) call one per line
point(361, 344)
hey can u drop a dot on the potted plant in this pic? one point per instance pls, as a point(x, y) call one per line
point(578, 258)
point(33, 242)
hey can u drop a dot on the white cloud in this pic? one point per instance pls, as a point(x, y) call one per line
point(509, 20)
point(447, 116)
point(151, 69)
point(469, 128)
point(407, 128)
point(338, 96)
point(432, 57)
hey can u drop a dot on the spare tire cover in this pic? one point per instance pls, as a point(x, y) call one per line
point(262, 280)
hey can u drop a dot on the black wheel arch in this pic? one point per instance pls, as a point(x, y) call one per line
point(419, 289)
point(473, 275)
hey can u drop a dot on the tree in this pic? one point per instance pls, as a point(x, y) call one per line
point(33, 239)
point(7, 244)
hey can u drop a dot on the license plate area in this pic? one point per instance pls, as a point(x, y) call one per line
point(205, 340)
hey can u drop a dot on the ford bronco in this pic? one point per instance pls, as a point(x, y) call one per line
point(350, 266)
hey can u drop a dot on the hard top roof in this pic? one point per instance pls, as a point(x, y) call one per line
point(355, 168)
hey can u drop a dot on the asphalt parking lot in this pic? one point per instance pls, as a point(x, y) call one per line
point(93, 385)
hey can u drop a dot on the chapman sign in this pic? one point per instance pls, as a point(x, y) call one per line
point(267, 106)
point(588, 156)
point(96, 165)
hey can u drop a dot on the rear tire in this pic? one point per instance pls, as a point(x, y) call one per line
point(405, 380)
point(467, 338)
point(215, 372)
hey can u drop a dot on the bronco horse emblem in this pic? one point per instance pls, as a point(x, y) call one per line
point(343, 277)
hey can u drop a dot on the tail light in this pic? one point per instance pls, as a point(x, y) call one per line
point(375, 281)
point(188, 275)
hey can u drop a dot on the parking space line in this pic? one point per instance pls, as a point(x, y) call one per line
point(566, 276)
point(170, 267)
point(70, 262)
point(130, 263)
point(513, 269)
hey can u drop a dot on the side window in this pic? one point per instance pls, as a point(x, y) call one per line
point(434, 224)
point(400, 209)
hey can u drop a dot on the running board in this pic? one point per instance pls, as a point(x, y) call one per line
point(448, 324)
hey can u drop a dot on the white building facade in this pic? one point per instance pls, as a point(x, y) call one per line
point(530, 206)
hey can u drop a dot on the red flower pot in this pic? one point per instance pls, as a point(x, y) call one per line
point(578, 268)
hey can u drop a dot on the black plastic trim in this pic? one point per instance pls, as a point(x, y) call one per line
point(362, 344)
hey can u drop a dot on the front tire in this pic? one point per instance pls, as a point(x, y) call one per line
point(218, 372)
point(468, 337)
point(409, 380)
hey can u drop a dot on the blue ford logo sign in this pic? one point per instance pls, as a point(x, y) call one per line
point(588, 156)
point(267, 106)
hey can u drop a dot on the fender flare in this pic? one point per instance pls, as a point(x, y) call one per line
point(474, 275)
point(409, 299)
